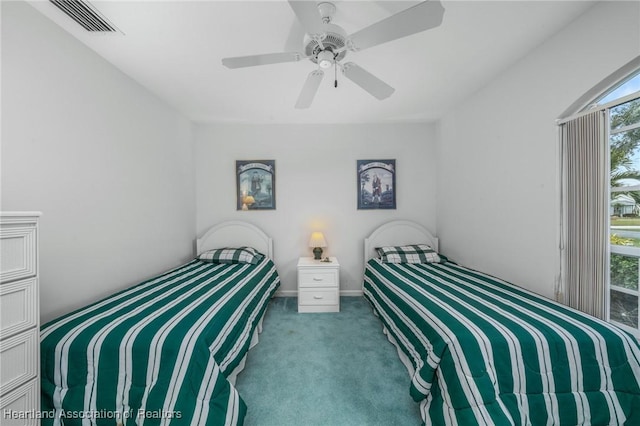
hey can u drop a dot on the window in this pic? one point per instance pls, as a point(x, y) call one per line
point(623, 107)
point(629, 86)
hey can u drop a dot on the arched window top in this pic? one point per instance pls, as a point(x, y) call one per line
point(608, 89)
point(626, 87)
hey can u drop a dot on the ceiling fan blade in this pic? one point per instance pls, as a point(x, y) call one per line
point(369, 82)
point(421, 17)
point(265, 59)
point(308, 15)
point(296, 33)
point(309, 89)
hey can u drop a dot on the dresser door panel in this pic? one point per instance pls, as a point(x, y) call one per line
point(20, 407)
point(18, 360)
point(18, 250)
point(18, 306)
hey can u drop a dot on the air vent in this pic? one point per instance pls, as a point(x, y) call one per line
point(84, 14)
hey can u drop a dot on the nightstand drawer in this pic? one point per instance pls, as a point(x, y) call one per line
point(318, 297)
point(320, 278)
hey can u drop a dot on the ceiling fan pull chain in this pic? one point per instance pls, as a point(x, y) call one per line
point(335, 73)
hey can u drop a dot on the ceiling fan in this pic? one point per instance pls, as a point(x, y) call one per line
point(327, 44)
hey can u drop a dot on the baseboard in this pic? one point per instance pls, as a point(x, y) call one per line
point(294, 293)
point(351, 293)
point(286, 293)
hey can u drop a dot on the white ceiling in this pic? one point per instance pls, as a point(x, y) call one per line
point(174, 49)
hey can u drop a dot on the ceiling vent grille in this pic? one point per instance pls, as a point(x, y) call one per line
point(84, 14)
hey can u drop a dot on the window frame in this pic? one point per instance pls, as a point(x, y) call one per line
point(613, 248)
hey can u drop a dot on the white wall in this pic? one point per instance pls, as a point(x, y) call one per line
point(498, 206)
point(108, 164)
point(112, 167)
point(316, 185)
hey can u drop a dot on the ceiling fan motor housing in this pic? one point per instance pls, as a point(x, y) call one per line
point(335, 39)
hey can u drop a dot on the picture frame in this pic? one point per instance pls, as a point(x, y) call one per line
point(255, 184)
point(376, 184)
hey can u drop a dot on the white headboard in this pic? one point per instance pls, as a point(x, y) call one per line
point(397, 233)
point(235, 234)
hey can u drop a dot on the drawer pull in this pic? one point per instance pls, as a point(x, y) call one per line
point(317, 297)
point(317, 278)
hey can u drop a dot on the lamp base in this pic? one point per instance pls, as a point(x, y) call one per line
point(317, 253)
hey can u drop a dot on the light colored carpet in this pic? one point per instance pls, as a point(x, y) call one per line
point(325, 369)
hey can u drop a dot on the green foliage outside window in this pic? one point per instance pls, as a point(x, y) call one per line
point(624, 144)
point(617, 240)
point(624, 271)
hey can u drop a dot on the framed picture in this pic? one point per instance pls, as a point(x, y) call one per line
point(376, 184)
point(256, 184)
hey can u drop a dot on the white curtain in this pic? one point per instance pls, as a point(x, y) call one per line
point(585, 218)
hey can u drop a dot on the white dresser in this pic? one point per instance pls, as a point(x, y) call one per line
point(19, 319)
point(318, 285)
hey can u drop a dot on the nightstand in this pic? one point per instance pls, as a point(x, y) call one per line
point(318, 285)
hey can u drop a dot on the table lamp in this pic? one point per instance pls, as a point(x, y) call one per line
point(317, 241)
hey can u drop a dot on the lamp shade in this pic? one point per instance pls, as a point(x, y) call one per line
point(317, 240)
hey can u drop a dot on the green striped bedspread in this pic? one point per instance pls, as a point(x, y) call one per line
point(159, 352)
point(484, 352)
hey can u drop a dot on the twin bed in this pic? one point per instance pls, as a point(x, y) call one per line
point(167, 350)
point(478, 350)
point(482, 351)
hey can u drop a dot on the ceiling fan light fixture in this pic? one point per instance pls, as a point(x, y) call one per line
point(325, 59)
point(326, 10)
